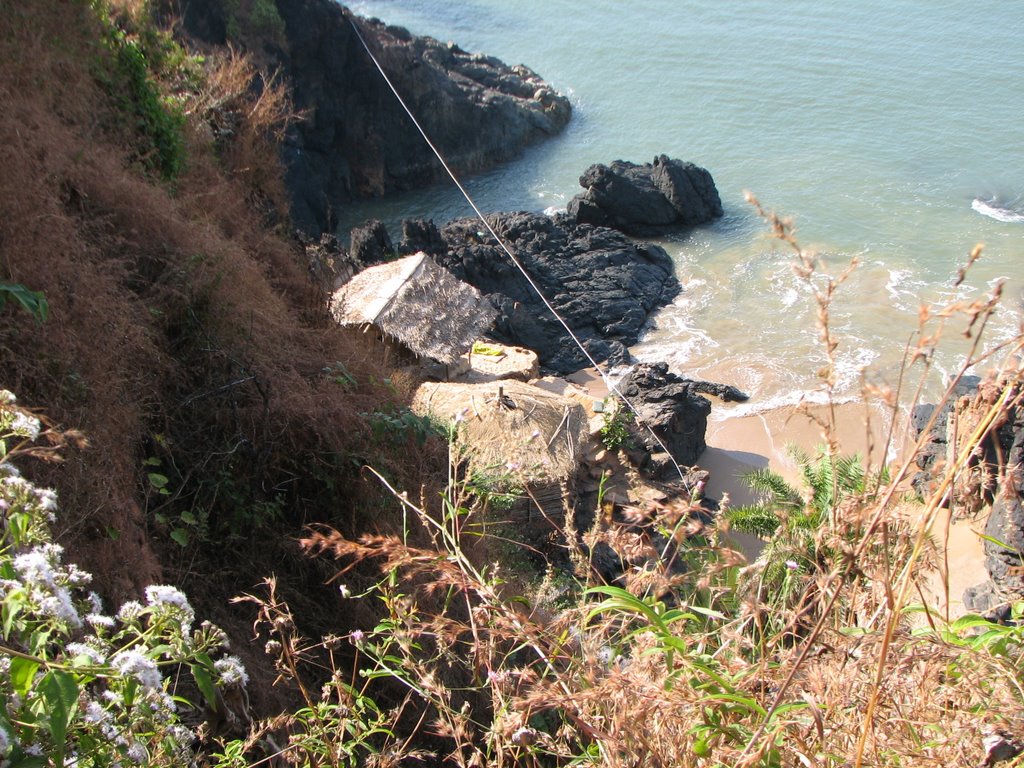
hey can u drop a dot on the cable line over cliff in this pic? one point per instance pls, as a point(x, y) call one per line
point(508, 251)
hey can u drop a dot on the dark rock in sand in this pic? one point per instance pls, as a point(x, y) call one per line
point(724, 392)
point(604, 285)
point(672, 409)
point(647, 199)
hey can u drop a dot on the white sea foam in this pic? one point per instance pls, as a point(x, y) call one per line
point(997, 212)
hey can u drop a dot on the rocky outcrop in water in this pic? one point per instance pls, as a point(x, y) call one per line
point(355, 140)
point(604, 285)
point(646, 200)
point(358, 142)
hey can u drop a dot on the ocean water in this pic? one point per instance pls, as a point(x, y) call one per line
point(890, 131)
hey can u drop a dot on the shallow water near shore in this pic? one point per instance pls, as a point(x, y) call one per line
point(889, 131)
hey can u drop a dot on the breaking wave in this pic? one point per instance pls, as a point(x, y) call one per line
point(996, 211)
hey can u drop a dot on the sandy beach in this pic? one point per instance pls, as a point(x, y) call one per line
point(740, 444)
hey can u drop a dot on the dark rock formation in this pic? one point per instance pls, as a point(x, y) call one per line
point(935, 448)
point(1004, 547)
point(646, 199)
point(604, 285)
point(330, 267)
point(724, 392)
point(669, 406)
point(993, 476)
point(419, 235)
point(356, 140)
point(370, 244)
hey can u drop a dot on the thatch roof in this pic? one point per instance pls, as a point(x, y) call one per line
point(417, 302)
point(530, 433)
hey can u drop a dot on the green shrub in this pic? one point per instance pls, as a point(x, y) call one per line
point(130, 76)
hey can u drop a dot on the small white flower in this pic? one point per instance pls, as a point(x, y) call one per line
point(25, 425)
point(138, 753)
point(792, 565)
point(138, 666)
point(172, 601)
point(164, 595)
point(59, 605)
point(87, 651)
point(345, 591)
point(98, 620)
point(231, 671)
point(130, 611)
point(95, 602)
point(36, 568)
point(7, 397)
point(95, 713)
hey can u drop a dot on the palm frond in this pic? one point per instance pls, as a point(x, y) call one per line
point(758, 520)
point(772, 487)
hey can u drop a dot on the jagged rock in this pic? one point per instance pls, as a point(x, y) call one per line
point(371, 244)
point(604, 285)
point(419, 235)
point(724, 392)
point(667, 405)
point(330, 267)
point(646, 199)
point(999, 458)
point(356, 140)
point(936, 447)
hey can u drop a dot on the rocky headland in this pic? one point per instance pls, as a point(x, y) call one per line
point(354, 139)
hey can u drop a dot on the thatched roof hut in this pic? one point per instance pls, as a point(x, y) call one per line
point(417, 302)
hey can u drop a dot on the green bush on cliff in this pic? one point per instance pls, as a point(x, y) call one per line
point(130, 75)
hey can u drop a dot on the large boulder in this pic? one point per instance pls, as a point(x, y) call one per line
point(354, 139)
point(669, 407)
point(602, 284)
point(646, 199)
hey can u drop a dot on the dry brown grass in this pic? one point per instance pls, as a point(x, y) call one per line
point(182, 328)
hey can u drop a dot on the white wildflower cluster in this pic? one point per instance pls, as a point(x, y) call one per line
point(139, 666)
point(15, 422)
point(230, 672)
point(170, 602)
point(46, 584)
point(120, 696)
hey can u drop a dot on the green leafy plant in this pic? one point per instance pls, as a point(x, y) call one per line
point(33, 302)
point(401, 425)
point(615, 430)
point(791, 521)
point(129, 77)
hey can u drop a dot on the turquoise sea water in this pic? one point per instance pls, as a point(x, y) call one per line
point(875, 125)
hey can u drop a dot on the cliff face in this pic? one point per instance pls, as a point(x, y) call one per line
point(355, 140)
